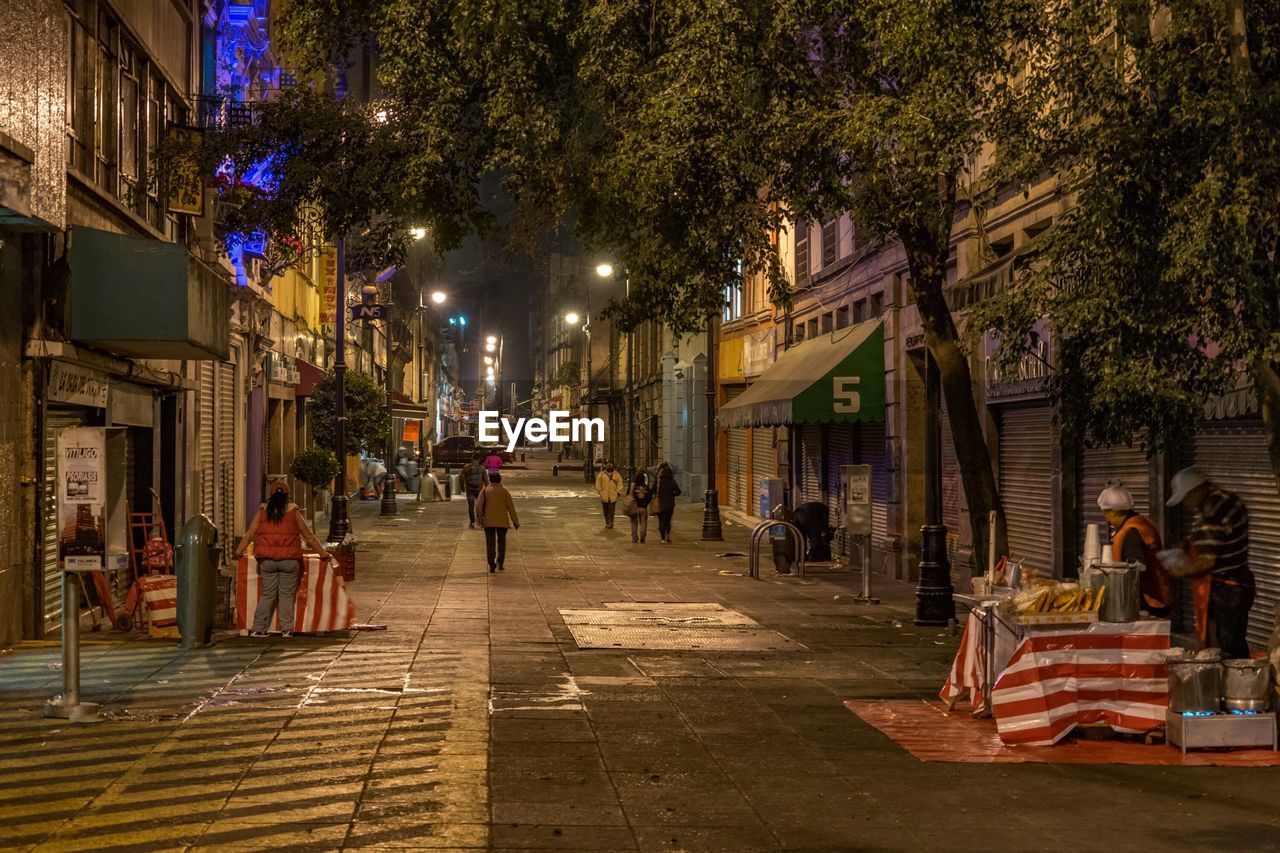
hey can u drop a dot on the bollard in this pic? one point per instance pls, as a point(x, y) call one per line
point(521, 455)
point(68, 706)
point(197, 571)
point(555, 470)
point(448, 486)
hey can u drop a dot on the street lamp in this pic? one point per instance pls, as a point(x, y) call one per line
point(589, 464)
point(418, 234)
point(438, 297)
point(492, 340)
point(606, 271)
point(339, 520)
point(571, 318)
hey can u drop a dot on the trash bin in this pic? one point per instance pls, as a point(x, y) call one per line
point(813, 520)
point(198, 556)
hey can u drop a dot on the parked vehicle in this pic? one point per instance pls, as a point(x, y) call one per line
point(457, 450)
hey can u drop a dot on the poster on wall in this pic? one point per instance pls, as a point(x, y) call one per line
point(81, 498)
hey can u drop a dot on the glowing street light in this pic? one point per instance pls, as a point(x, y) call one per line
point(492, 339)
point(417, 233)
point(488, 359)
point(604, 270)
point(438, 297)
point(490, 347)
point(571, 318)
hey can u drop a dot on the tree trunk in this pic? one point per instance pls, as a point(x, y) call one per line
point(1268, 384)
point(927, 259)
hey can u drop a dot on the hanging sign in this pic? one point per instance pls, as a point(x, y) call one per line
point(412, 432)
point(81, 497)
point(328, 286)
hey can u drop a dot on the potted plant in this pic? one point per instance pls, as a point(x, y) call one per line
point(344, 553)
point(317, 467)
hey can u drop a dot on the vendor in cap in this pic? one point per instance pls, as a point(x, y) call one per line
point(1215, 558)
point(1135, 539)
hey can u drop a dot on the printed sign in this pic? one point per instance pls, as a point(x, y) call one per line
point(370, 311)
point(78, 386)
point(186, 186)
point(412, 432)
point(81, 497)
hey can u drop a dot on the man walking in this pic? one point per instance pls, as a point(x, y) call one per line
point(608, 487)
point(1216, 560)
point(497, 512)
point(474, 479)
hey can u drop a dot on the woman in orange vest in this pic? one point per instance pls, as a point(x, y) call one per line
point(277, 533)
point(1136, 539)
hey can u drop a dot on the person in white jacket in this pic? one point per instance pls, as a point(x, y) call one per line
point(609, 487)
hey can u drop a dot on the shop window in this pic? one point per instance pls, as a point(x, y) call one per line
point(812, 329)
point(859, 310)
point(828, 322)
point(842, 316)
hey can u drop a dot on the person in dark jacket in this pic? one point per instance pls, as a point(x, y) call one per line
point(474, 478)
point(642, 495)
point(666, 493)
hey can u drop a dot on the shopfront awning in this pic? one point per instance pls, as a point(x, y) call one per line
point(308, 376)
point(402, 406)
point(837, 378)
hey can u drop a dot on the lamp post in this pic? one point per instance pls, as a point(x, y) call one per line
point(606, 271)
point(711, 529)
point(934, 604)
point(589, 464)
point(390, 505)
point(339, 520)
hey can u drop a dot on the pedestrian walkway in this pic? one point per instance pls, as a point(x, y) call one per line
point(474, 721)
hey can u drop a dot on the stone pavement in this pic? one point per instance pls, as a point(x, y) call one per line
point(474, 721)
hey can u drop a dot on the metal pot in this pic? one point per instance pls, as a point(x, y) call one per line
point(1123, 599)
point(1195, 686)
point(1246, 685)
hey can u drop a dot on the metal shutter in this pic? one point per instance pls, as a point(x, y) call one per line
point(1235, 457)
point(54, 420)
point(840, 452)
point(952, 482)
point(1026, 444)
point(810, 463)
point(763, 463)
point(205, 437)
point(1099, 465)
point(871, 452)
point(225, 455)
point(737, 469)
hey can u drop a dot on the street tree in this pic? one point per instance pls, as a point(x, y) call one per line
point(897, 125)
point(1162, 282)
point(368, 427)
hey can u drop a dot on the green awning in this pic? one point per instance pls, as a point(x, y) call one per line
point(837, 378)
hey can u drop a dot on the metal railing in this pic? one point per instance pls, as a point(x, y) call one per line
point(753, 553)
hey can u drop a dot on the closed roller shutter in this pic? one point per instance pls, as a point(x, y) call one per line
point(840, 452)
point(225, 454)
point(205, 437)
point(763, 464)
point(54, 420)
point(737, 469)
point(810, 463)
point(952, 484)
point(871, 452)
point(1099, 466)
point(1235, 457)
point(1026, 476)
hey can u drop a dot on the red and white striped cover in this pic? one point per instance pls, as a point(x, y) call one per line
point(1104, 672)
point(970, 665)
point(322, 603)
point(159, 594)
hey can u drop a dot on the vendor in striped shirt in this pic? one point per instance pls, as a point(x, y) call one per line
point(1215, 558)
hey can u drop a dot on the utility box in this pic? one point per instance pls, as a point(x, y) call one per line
point(770, 496)
point(855, 498)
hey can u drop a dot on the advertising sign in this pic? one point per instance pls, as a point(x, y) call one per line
point(328, 286)
point(81, 497)
point(78, 386)
point(857, 499)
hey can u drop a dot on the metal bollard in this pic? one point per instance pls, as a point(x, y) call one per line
point(197, 571)
point(68, 706)
point(555, 470)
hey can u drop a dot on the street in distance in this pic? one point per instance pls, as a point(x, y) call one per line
point(558, 429)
